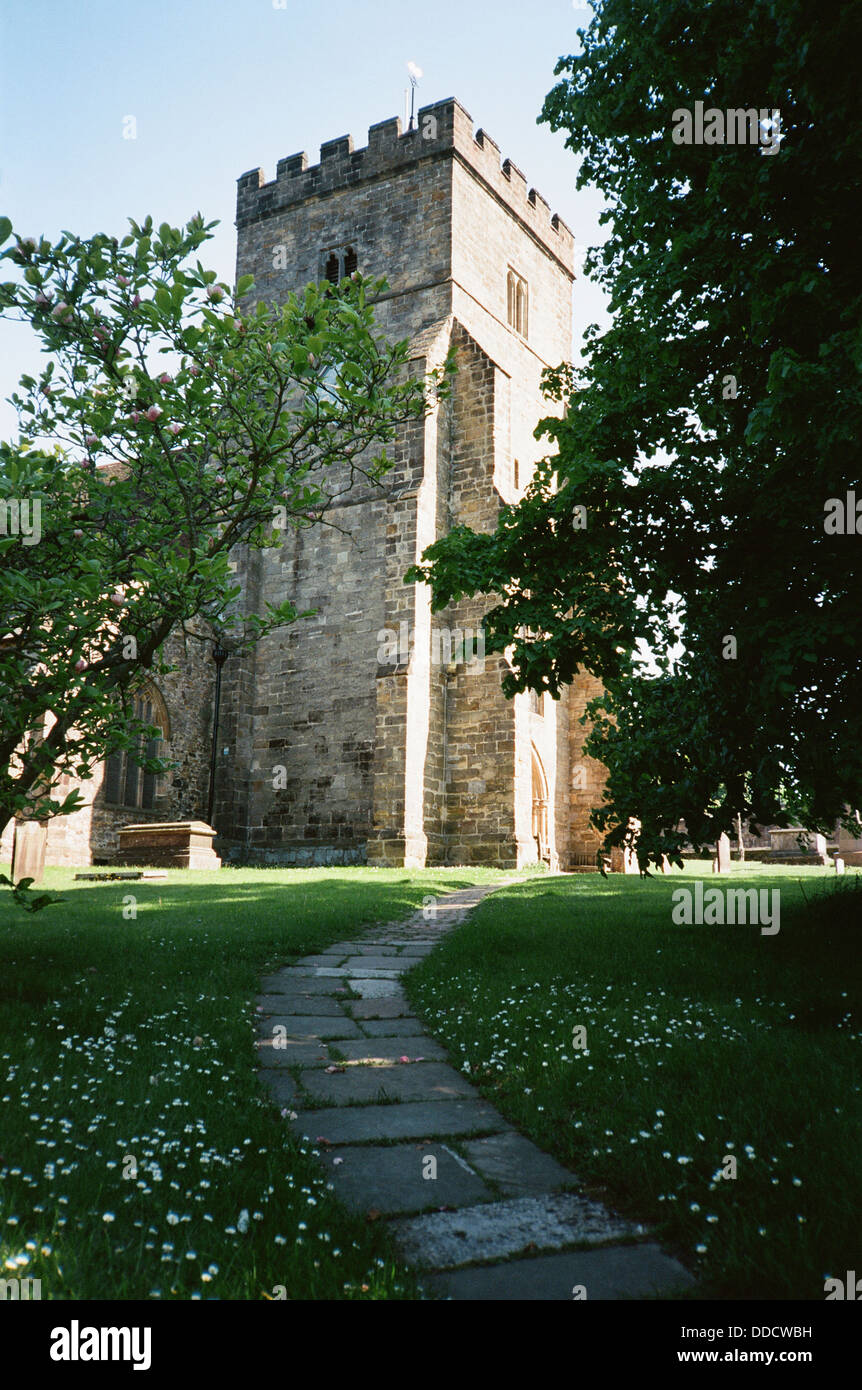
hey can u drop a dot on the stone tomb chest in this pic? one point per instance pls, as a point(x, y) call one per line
point(171, 845)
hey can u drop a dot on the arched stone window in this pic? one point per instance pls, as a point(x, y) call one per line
point(521, 308)
point(541, 829)
point(125, 783)
point(517, 302)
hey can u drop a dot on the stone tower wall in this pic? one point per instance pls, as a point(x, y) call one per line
point(408, 761)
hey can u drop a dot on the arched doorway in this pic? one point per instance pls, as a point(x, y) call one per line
point(540, 811)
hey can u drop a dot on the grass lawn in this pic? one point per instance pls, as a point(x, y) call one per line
point(139, 1155)
point(701, 1042)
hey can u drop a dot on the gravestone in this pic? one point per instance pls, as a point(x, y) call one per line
point(28, 850)
point(630, 842)
point(721, 862)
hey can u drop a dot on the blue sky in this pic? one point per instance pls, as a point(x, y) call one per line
point(217, 87)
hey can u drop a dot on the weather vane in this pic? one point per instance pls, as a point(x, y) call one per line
point(415, 73)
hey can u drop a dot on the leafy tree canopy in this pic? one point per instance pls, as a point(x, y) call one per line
point(170, 426)
point(713, 433)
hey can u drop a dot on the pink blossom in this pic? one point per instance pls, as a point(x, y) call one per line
point(194, 369)
point(136, 301)
point(135, 416)
point(91, 441)
point(165, 379)
point(175, 428)
point(78, 534)
point(123, 280)
point(153, 413)
point(60, 310)
point(117, 598)
point(80, 664)
point(43, 300)
point(215, 292)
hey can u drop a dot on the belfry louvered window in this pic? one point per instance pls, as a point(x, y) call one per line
point(338, 263)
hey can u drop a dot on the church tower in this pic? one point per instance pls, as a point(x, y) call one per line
point(368, 734)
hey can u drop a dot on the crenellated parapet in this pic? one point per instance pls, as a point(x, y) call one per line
point(443, 130)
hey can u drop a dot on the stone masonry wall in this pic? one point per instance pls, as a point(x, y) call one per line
point(89, 836)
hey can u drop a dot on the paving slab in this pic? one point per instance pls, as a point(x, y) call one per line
point(416, 1081)
point(284, 1006)
point(281, 1086)
point(380, 1008)
point(392, 1048)
point(392, 1027)
point(307, 962)
point(378, 989)
point(311, 1027)
point(292, 1054)
point(620, 1272)
point(389, 966)
point(392, 1179)
point(440, 1119)
point(288, 982)
point(519, 1168)
point(499, 1230)
point(372, 948)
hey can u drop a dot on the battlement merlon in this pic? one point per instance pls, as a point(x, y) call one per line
point(443, 130)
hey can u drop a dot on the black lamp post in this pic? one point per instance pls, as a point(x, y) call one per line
point(220, 656)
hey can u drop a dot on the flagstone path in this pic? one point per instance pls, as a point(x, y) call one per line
point(343, 1054)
